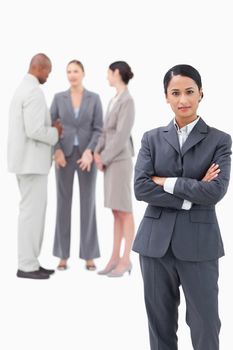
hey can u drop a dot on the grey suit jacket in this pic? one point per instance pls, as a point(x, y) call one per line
point(115, 142)
point(87, 126)
point(194, 234)
point(30, 135)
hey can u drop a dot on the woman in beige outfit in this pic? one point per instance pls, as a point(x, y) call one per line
point(113, 155)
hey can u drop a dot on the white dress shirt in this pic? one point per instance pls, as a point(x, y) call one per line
point(76, 115)
point(183, 134)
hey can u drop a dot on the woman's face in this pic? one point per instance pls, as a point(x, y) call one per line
point(113, 77)
point(184, 96)
point(75, 74)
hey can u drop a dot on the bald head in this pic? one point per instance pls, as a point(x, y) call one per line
point(40, 66)
point(40, 60)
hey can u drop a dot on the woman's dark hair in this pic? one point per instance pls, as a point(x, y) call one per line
point(124, 70)
point(186, 71)
point(78, 63)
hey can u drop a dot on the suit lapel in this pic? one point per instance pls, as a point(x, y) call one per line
point(170, 135)
point(83, 105)
point(109, 112)
point(68, 103)
point(69, 106)
point(197, 134)
point(120, 100)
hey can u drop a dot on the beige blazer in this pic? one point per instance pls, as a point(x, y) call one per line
point(115, 142)
point(30, 134)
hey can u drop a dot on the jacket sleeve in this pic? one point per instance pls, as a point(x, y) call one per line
point(101, 142)
point(34, 113)
point(144, 188)
point(208, 193)
point(54, 116)
point(97, 124)
point(122, 133)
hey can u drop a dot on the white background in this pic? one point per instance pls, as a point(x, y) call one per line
point(77, 309)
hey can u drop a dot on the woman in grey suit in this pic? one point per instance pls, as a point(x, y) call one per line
point(182, 172)
point(113, 155)
point(80, 112)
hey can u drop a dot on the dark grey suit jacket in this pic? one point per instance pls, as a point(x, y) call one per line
point(194, 234)
point(87, 126)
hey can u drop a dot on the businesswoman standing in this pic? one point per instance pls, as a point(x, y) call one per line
point(80, 112)
point(113, 155)
point(182, 171)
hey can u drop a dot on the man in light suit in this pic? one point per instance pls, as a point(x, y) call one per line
point(29, 157)
point(182, 171)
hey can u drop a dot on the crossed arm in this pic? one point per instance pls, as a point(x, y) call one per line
point(207, 191)
point(210, 175)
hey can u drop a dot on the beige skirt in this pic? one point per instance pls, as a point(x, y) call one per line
point(117, 185)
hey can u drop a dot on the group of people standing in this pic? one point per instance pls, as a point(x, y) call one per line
point(182, 171)
point(80, 144)
point(85, 146)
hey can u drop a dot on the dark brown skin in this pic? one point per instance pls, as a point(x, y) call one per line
point(40, 67)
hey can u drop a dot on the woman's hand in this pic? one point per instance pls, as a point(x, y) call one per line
point(158, 180)
point(211, 173)
point(98, 161)
point(59, 158)
point(85, 161)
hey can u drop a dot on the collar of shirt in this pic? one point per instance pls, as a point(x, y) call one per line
point(187, 128)
point(32, 78)
point(114, 100)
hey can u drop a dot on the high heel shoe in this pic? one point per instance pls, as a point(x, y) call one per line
point(62, 266)
point(91, 267)
point(120, 274)
point(106, 271)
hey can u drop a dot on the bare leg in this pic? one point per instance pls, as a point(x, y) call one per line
point(127, 223)
point(117, 239)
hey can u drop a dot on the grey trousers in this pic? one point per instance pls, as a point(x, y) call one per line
point(32, 209)
point(89, 246)
point(199, 280)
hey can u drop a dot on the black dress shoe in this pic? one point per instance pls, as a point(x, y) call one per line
point(47, 271)
point(37, 275)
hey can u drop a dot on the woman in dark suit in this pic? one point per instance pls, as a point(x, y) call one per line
point(80, 112)
point(182, 171)
point(113, 155)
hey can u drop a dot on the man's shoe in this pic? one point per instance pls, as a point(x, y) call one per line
point(47, 271)
point(37, 275)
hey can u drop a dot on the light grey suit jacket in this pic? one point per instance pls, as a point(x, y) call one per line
point(115, 142)
point(87, 126)
point(194, 234)
point(30, 135)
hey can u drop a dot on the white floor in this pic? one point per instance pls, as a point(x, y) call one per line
point(78, 309)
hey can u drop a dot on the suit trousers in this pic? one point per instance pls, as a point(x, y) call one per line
point(89, 246)
point(199, 280)
point(32, 209)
